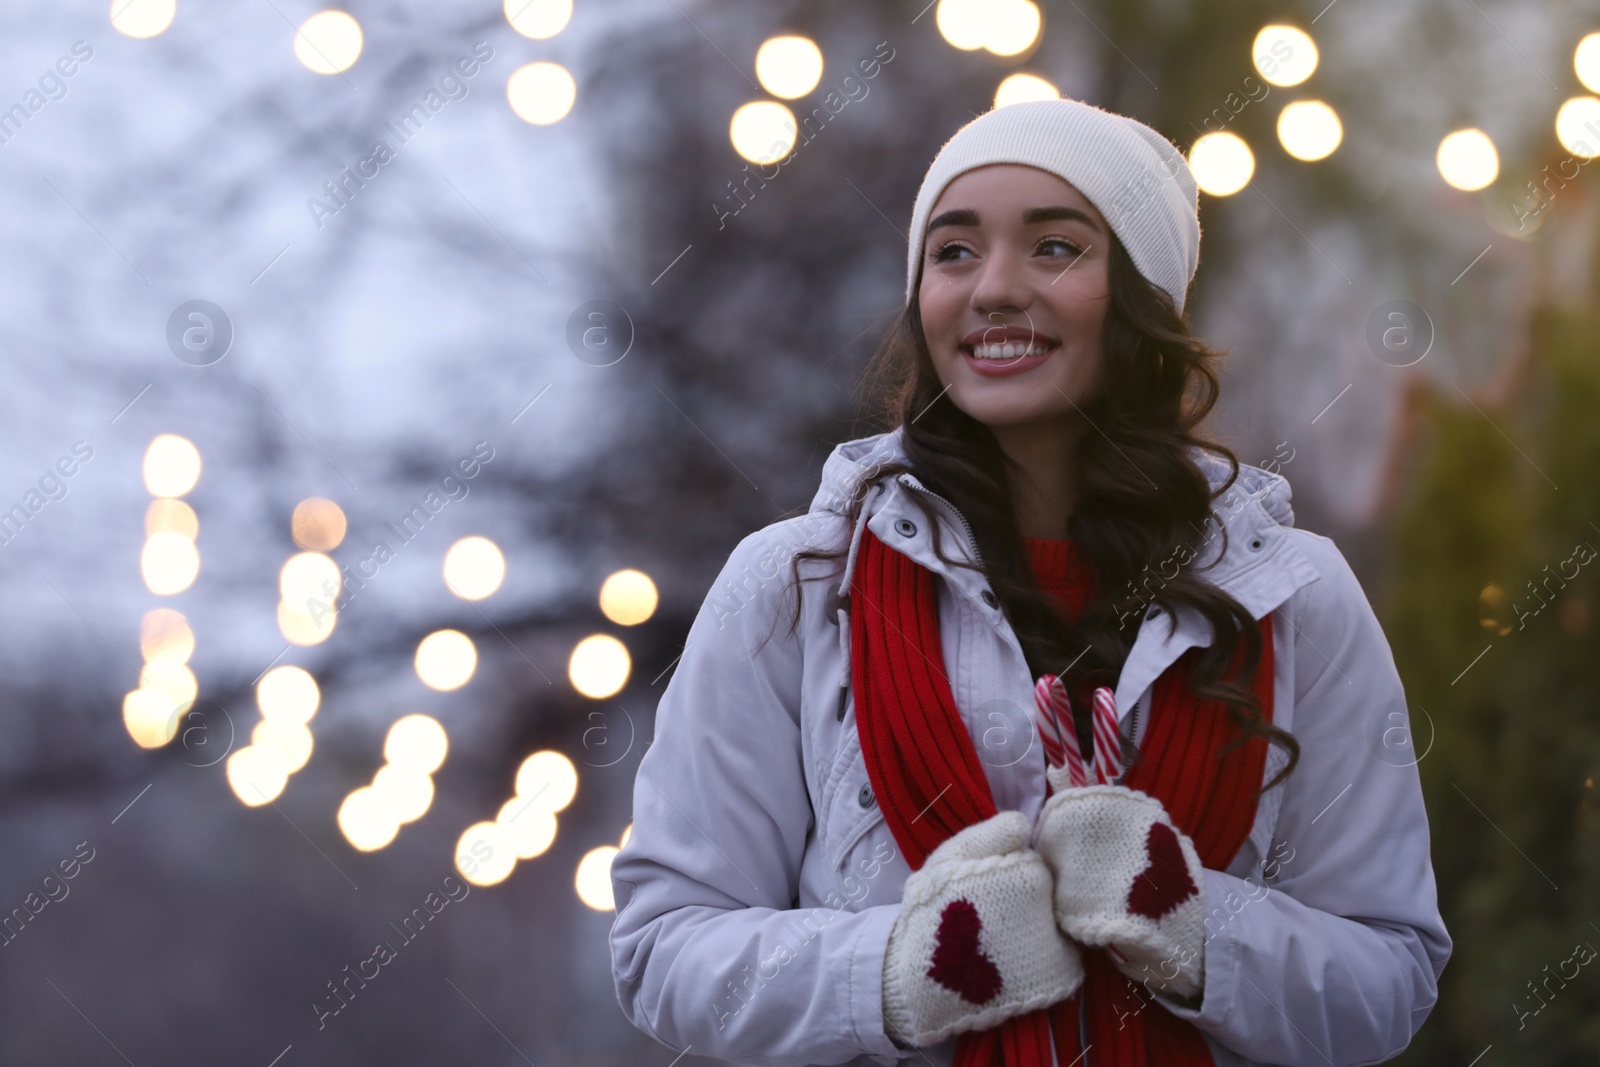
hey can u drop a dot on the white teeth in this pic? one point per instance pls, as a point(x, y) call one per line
point(1009, 350)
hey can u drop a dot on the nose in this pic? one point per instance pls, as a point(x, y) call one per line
point(1002, 284)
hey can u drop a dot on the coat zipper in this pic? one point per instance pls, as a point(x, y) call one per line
point(972, 541)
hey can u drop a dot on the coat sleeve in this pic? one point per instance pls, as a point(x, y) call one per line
point(709, 950)
point(1337, 963)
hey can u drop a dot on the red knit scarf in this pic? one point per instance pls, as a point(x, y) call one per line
point(925, 772)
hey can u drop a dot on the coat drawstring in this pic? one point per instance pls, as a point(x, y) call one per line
point(843, 610)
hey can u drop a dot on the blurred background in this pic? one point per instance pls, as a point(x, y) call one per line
point(386, 385)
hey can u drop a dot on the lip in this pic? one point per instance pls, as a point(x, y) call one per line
point(999, 335)
point(1000, 368)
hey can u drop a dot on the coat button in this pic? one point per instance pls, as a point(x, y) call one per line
point(866, 798)
point(1255, 544)
point(990, 599)
point(905, 528)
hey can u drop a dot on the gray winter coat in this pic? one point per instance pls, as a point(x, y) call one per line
point(757, 889)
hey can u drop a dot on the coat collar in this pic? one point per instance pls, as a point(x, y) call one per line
point(1259, 565)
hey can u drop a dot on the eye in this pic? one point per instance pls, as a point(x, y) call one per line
point(939, 254)
point(1071, 247)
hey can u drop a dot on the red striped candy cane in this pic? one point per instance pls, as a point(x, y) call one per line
point(1060, 737)
point(1107, 738)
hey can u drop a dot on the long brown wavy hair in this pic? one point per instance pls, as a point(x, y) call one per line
point(1141, 507)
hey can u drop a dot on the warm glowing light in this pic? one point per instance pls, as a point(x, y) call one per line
point(539, 19)
point(309, 583)
point(1011, 27)
point(762, 131)
point(171, 465)
point(474, 567)
point(1284, 55)
point(166, 514)
point(417, 743)
point(485, 854)
point(288, 694)
point(593, 880)
point(628, 597)
point(172, 679)
point(446, 660)
point(256, 775)
point(406, 792)
point(317, 524)
point(142, 18)
point(1020, 88)
point(529, 827)
point(290, 742)
point(1586, 62)
point(1222, 163)
point(541, 93)
point(964, 24)
point(599, 666)
point(366, 821)
point(165, 634)
point(1309, 130)
point(150, 717)
point(303, 629)
point(1467, 159)
point(328, 42)
point(548, 779)
point(1578, 126)
point(789, 67)
point(169, 563)
point(627, 832)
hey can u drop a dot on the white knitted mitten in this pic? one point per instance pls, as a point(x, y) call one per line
point(976, 942)
point(1128, 879)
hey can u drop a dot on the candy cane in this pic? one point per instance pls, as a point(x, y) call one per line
point(1107, 738)
point(1056, 729)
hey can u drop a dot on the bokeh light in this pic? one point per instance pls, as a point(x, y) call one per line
point(169, 515)
point(289, 742)
point(1578, 126)
point(150, 717)
point(317, 525)
point(548, 779)
point(405, 791)
point(256, 775)
point(168, 563)
point(599, 666)
point(1222, 163)
point(541, 93)
point(1284, 55)
point(593, 880)
point(328, 42)
point(309, 582)
point(1309, 130)
point(171, 678)
point(1467, 159)
point(165, 634)
point(530, 827)
point(538, 19)
point(142, 18)
point(474, 567)
point(171, 465)
point(301, 628)
point(762, 131)
point(366, 821)
point(417, 743)
point(628, 597)
point(963, 23)
point(1012, 26)
point(1586, 62)
point(1020, 88)
point(446, 659)
point(485, 854)
point(288, 694)
point(788, 67)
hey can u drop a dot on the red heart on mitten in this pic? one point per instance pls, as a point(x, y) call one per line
point(959, 963)
point(1165, 881)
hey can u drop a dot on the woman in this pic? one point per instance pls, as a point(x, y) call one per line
point(857, 837)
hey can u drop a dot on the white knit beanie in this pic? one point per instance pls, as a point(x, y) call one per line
point(1136, 178)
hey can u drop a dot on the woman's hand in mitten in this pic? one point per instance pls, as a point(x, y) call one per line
point(1128, 879)
point(976, 942)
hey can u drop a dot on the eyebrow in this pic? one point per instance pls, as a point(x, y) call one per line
point(968, 217)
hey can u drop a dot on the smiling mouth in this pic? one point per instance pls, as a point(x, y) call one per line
point(1011, 350)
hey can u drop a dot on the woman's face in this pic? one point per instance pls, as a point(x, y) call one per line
point(1015, 256)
